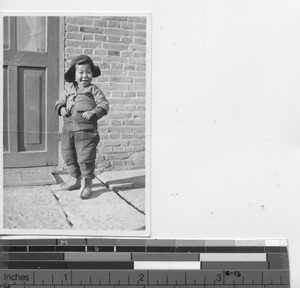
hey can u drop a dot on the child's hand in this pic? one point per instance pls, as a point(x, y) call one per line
point(88, 114)
point(63, 112)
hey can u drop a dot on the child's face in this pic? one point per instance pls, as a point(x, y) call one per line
point(83, 74)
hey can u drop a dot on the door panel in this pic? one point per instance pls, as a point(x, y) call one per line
point(31, 89)
point(5, 109)
point(31, 107)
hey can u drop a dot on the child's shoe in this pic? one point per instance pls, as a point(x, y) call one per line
point(72, 184)
point(86, 188)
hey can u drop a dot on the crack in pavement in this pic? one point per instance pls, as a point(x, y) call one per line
point(66, 215)
point(115, 190)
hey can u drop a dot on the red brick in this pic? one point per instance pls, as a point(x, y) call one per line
point(138, 129)
point(118, 18)
point(117, 156)
point(139, 122)
point(100, 37)
point(90, 44)
point(141, 19)
point(100, 52)
point(103, 136)
point(104, 65)
point(79, 20)
point(116, 31)
point(141, 48)
point(115, 129)
point(127, 25)
point(138, 33)
point(130, 93)
point(72, 43)
point(93, 29)
point(129, 108)
point(127, 136)
point(139, 86)
point(117, 66)
point(103, 122)
point(138, 148)
point(88, 36)
point(118, 164)
point(139, 114)
point(129, 122)
point(113, 38)
point(106, 150)
point(114, 46)
point(115, 122)
point(127, 40)
point(129, 67)
point(105, 164)
point(120, 115)
point(117, 93)
point(139, 26)
point(88, 51)
point(113, 23)
point(141, 67)
point(73, 35)
point(139, 136)
point(72, 28)
point(71, 50)
point(115, 59)
point(139, 54)
point(137, 60)
point(140, 80)
point(103, 79)
point(126, 54)
point(114, 86)
point(140, 41)
point(127, 79)
point(141, 94)
point(112, 72)
point(118, 149)
point(141, 107)
point(116, 108)
point(137, 142)
point(119, 101)
point(116, 143)
point(113, 53)
point(138, 74)
point(116, 79)
point(115, 136)
point(100, 23)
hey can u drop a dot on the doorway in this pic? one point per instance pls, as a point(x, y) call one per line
point(30, 89)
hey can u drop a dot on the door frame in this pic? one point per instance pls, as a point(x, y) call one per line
point(53, 158)
point(61, 60)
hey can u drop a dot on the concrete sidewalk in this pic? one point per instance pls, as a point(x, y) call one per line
point(117, 203)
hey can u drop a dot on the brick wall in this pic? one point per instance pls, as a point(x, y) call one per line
point(118, 46)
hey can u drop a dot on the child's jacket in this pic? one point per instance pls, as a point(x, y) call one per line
point(78, 100)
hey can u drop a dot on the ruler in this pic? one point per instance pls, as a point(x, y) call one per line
point(95, 262)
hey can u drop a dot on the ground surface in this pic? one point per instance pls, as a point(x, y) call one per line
point(116, 204)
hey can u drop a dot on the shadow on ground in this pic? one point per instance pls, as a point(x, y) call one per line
point(128, 183)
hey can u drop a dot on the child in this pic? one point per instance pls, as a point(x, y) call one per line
point(81, 105)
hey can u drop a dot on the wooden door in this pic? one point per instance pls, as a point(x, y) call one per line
point(31, 87)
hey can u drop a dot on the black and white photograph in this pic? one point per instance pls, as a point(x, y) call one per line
point(172, 121)
point(76, 123)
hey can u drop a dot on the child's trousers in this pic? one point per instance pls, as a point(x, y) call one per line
point(79, 151)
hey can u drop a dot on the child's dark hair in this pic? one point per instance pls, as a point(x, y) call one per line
point(81, 59)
